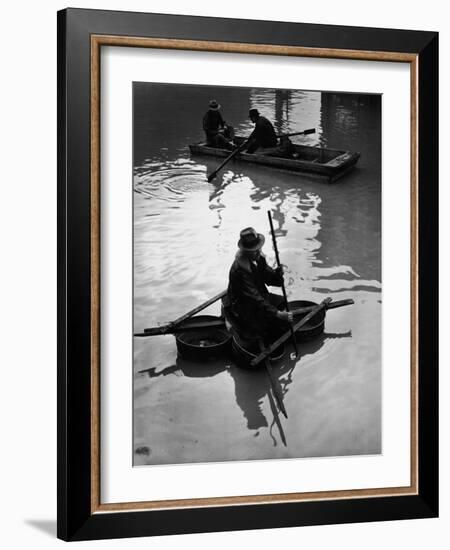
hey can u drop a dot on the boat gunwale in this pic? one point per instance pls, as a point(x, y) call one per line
point(327, 170)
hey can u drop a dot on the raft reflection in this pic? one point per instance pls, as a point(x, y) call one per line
point(252, 386)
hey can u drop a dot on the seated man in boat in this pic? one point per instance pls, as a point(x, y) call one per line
point(263, 136)
point(218, 133)
point(250, 304)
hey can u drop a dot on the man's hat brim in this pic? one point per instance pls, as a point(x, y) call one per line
point(255, 247)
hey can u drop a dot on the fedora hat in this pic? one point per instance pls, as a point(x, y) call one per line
point(214, 105)
point(250, 240)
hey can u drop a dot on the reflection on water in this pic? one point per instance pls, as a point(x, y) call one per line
point(252, 387)
point(185, 235)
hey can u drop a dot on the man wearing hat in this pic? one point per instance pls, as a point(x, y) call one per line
point(263, 135)
point(215, 128)
point(251, 304)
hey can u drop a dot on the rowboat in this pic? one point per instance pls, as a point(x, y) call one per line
point(326, 165)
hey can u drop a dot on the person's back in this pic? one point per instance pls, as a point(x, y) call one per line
point(212, 122)
point(215, 128)
point(263, 135)
point(247, 283)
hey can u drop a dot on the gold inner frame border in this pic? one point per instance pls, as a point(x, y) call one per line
point(97, 41)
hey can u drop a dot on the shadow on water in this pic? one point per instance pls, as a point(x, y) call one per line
point(252, 386)
point(191, 369)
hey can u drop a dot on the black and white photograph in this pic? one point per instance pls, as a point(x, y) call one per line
point(257, 273)
point(224, 288)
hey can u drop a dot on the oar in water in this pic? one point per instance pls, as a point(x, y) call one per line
point(273, 383)
point(283, 288)
point(197, 309)
point(287, 334)
point(227, 160)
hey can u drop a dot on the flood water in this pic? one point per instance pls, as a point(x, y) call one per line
point(185, 236)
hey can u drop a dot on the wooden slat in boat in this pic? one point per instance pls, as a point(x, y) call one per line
point(326, 164)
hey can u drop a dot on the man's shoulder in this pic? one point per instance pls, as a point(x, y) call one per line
point(264, 122)
point(240, 264)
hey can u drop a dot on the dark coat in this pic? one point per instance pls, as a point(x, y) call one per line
point(263, 135)
point(212, 122)
point(248, 297)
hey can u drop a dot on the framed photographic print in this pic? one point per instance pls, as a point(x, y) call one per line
point(247, 248)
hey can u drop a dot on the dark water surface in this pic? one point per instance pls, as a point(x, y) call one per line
point(185, 235)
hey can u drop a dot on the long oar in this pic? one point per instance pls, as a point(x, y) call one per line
point(173, 329)
point(273, 383)
point(192, 312)
point(227, 160)
point(277, 256)
point(304, 133)
point(287, 334)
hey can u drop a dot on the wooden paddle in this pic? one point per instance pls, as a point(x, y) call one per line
point(197, 309)
point(283, 288)
point(172, 329)
point(305, 133)
point(275, 388)
point(227, 160)
point(331, 305)
point(287, 334)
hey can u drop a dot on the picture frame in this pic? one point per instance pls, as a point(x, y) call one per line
point(81, 35)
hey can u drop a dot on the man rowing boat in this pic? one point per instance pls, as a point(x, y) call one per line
point(263, 135)
point(256, 311)
point(218, 133)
